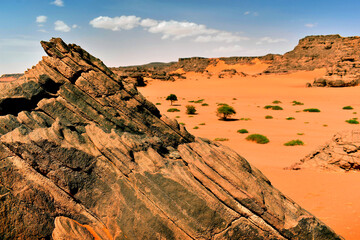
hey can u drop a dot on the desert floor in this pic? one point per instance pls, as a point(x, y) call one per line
point(331, 196)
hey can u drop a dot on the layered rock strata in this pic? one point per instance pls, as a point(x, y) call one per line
point(83, 155)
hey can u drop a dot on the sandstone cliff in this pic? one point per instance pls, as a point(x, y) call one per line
point(83, 155)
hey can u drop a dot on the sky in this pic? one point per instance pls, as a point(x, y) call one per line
point(132, 32)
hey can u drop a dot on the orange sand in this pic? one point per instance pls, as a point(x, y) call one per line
point(332, 197)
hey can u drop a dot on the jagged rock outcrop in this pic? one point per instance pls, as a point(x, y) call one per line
point(341, 153)
point(83, 155)
point(345, 73)
point(316, 52)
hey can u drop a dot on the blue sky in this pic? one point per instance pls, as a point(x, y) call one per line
point(128, 32)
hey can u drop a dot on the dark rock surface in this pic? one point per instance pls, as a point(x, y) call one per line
point(84, 155)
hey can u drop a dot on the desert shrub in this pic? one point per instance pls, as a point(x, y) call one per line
point(171, 98)
point(273, 107)
point(205, 104)
point(225, 111)
point(269, 117)
point(221, 139)
point(294, 143)
point(294, 103)
point(173, 110)
point(311, 110)
point(348, 108)
point(234, 99)
point(199, 101)
point(181, 123)
point(300, 134)
point(354, 112)
point(222, 104)
point(352, 121)
point(196, 127)
point(258, 138)
point(201, 123)
point(290, 118)
point(276, 102)
point(325, 125)
point(245, 119)
point(157, 103)
point(242, 131)
point(190, 109)
point(177, 116)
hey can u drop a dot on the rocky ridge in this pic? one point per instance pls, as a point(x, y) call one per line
point(341, 153)
point(83, 155)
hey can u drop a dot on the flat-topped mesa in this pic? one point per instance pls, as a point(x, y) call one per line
point(83, 155)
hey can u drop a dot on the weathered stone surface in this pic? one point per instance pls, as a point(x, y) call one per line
point(83, 155)
point(341, 153)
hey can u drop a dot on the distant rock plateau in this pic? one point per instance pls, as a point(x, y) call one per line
point(83, 155)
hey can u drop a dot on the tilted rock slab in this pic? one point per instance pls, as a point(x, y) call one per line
point(83, 155)
point(341, 153)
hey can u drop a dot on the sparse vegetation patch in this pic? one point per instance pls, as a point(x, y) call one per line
point(173, 110)
point(258, 138)
point(311, 110)
point(348, 108)
point(242, 131)
point(269, 117)
point(273, 107)
point(276, 102)
point(190, 109)
point(221, 139)
point(294, 143)
point(294, 103)
point(352, 121)
point(290, 118)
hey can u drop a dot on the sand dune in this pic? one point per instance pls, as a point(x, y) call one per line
point(330, 196)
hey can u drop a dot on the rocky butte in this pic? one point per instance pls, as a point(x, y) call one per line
point(83, 155)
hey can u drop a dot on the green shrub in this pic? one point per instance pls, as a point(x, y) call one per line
point(273, 107)
point(242, 131)
point(171, 98)
point(294, 103)
point(199, 101)
point(222, 104)
point(269, 117)
point(190, 109)
point(294, 143)
point(290, 118)
point(205, 104)
point(181, 123)
point(276, 102)
point(157, 103)
point(177, 116)
point(245, 119)
point(225, 111)
point(300, 134)
point(311, 110)
point(196, 127)
point(201, 123)
point(221, 139)
point(352, 121)
point(173, 110)
point(348, 108)
point(258, 138)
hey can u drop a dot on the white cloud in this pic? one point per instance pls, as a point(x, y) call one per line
point(255, 14)
point(221, 37)
point(247, 13)
point(148, 22)
point(61, 26)
point(42, 30)
point(177, 30)
point(116, 23)
point(74, 26)
point(310, 25)
point(41, 19)
point(58, 3)
point(228, 49)
point(172, 29)
point(271, 40)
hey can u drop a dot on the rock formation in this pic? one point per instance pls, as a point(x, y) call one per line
point(341, 153)
point(83, 155)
